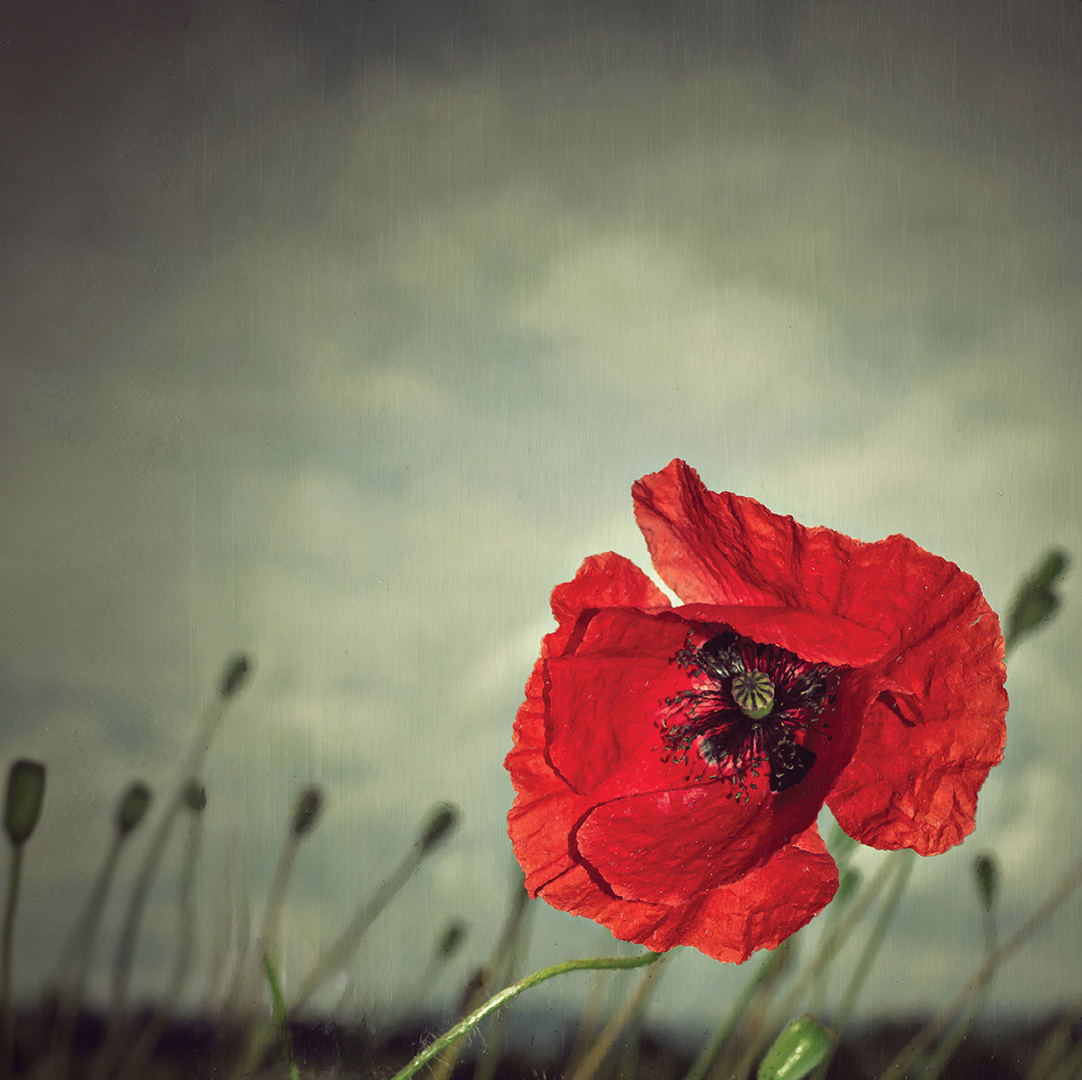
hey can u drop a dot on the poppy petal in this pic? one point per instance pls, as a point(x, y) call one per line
point(729, 923)
point(934, 729)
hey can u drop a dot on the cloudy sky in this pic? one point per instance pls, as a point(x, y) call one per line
point(339, 332)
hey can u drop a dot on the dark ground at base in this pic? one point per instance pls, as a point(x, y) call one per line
point(197, 1049)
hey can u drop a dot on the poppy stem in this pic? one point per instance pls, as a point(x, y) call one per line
point(500, 999)
point(7, 1021)
point(634, 1004)
point(762, 982)
point(904, 863)
point(828, 949)
point(916, 1046)
point(497, 972)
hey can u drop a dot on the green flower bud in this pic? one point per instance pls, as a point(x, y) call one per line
point(452, 939)
point(848, 885)
point(195, 796)
point(986, 873)
point(800, 1047)
point(235, 676)
point(1035, 600)
point(441, 822)
point(25, 793)
point(307, 811)
point(132, 807)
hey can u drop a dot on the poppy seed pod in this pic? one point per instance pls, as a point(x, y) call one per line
point(1036, 600)
point(452, 939)
point(307, 812)
point(195, 796)
point(802, 1044)
point(986, 875)
point(237, 671)
point(441, 822)
point(25, 794)
point(132, 807)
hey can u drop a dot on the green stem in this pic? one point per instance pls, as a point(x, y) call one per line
point(1062, 890)
point(947, 1049)
point(1053, 1048)
point(208, 727)
point(345, 945)
point(7, 1019)
point(869, 954)
point(753, 986)
point(598, 963)
point(600, 1050)
point(1070, 1067)
point(828, 949)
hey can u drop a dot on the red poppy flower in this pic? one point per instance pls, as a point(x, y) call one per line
point(669, 763)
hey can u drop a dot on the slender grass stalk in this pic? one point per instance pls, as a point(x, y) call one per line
point(764, 979)
point(590, 1022)
point(1070, 1068)
point(828, 949)
point(236, 674)
point(138, 1057)
point(1054, 1046)
point(496, 972)
point(849, 880)
point(242, 947)
point(609, 1034)
point(77, 955)
point(281, 1018)
point(340, 953)
point(756, 1031)
point(904, 867)
point(501, 998)
point(305, 816)
point(917, 1045)
point(987, 883)
point(504, 961)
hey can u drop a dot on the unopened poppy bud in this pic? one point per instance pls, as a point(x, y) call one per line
point(235, 676)
point(452, 939)
point(307, 811)
point(800, 1047)
point(441, 822)
point(848, 884)
point(25, 793)
point(1036, 600)
point(132, 807)
point(195, 796)
point(986, 873)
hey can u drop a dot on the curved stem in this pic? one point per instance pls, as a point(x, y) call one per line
point(470, 1022)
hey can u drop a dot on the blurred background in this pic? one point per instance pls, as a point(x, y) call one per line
point(338, 333)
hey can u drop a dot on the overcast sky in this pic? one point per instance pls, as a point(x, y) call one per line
point(338, 333)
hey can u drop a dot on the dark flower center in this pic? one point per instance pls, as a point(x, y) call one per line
point(746, 707)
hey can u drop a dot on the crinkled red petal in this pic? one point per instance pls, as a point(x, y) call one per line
point(544, 814)
point(934, 729)
point(925, 749)
point(672, 838)
point(729, 923)
point(649, 829)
